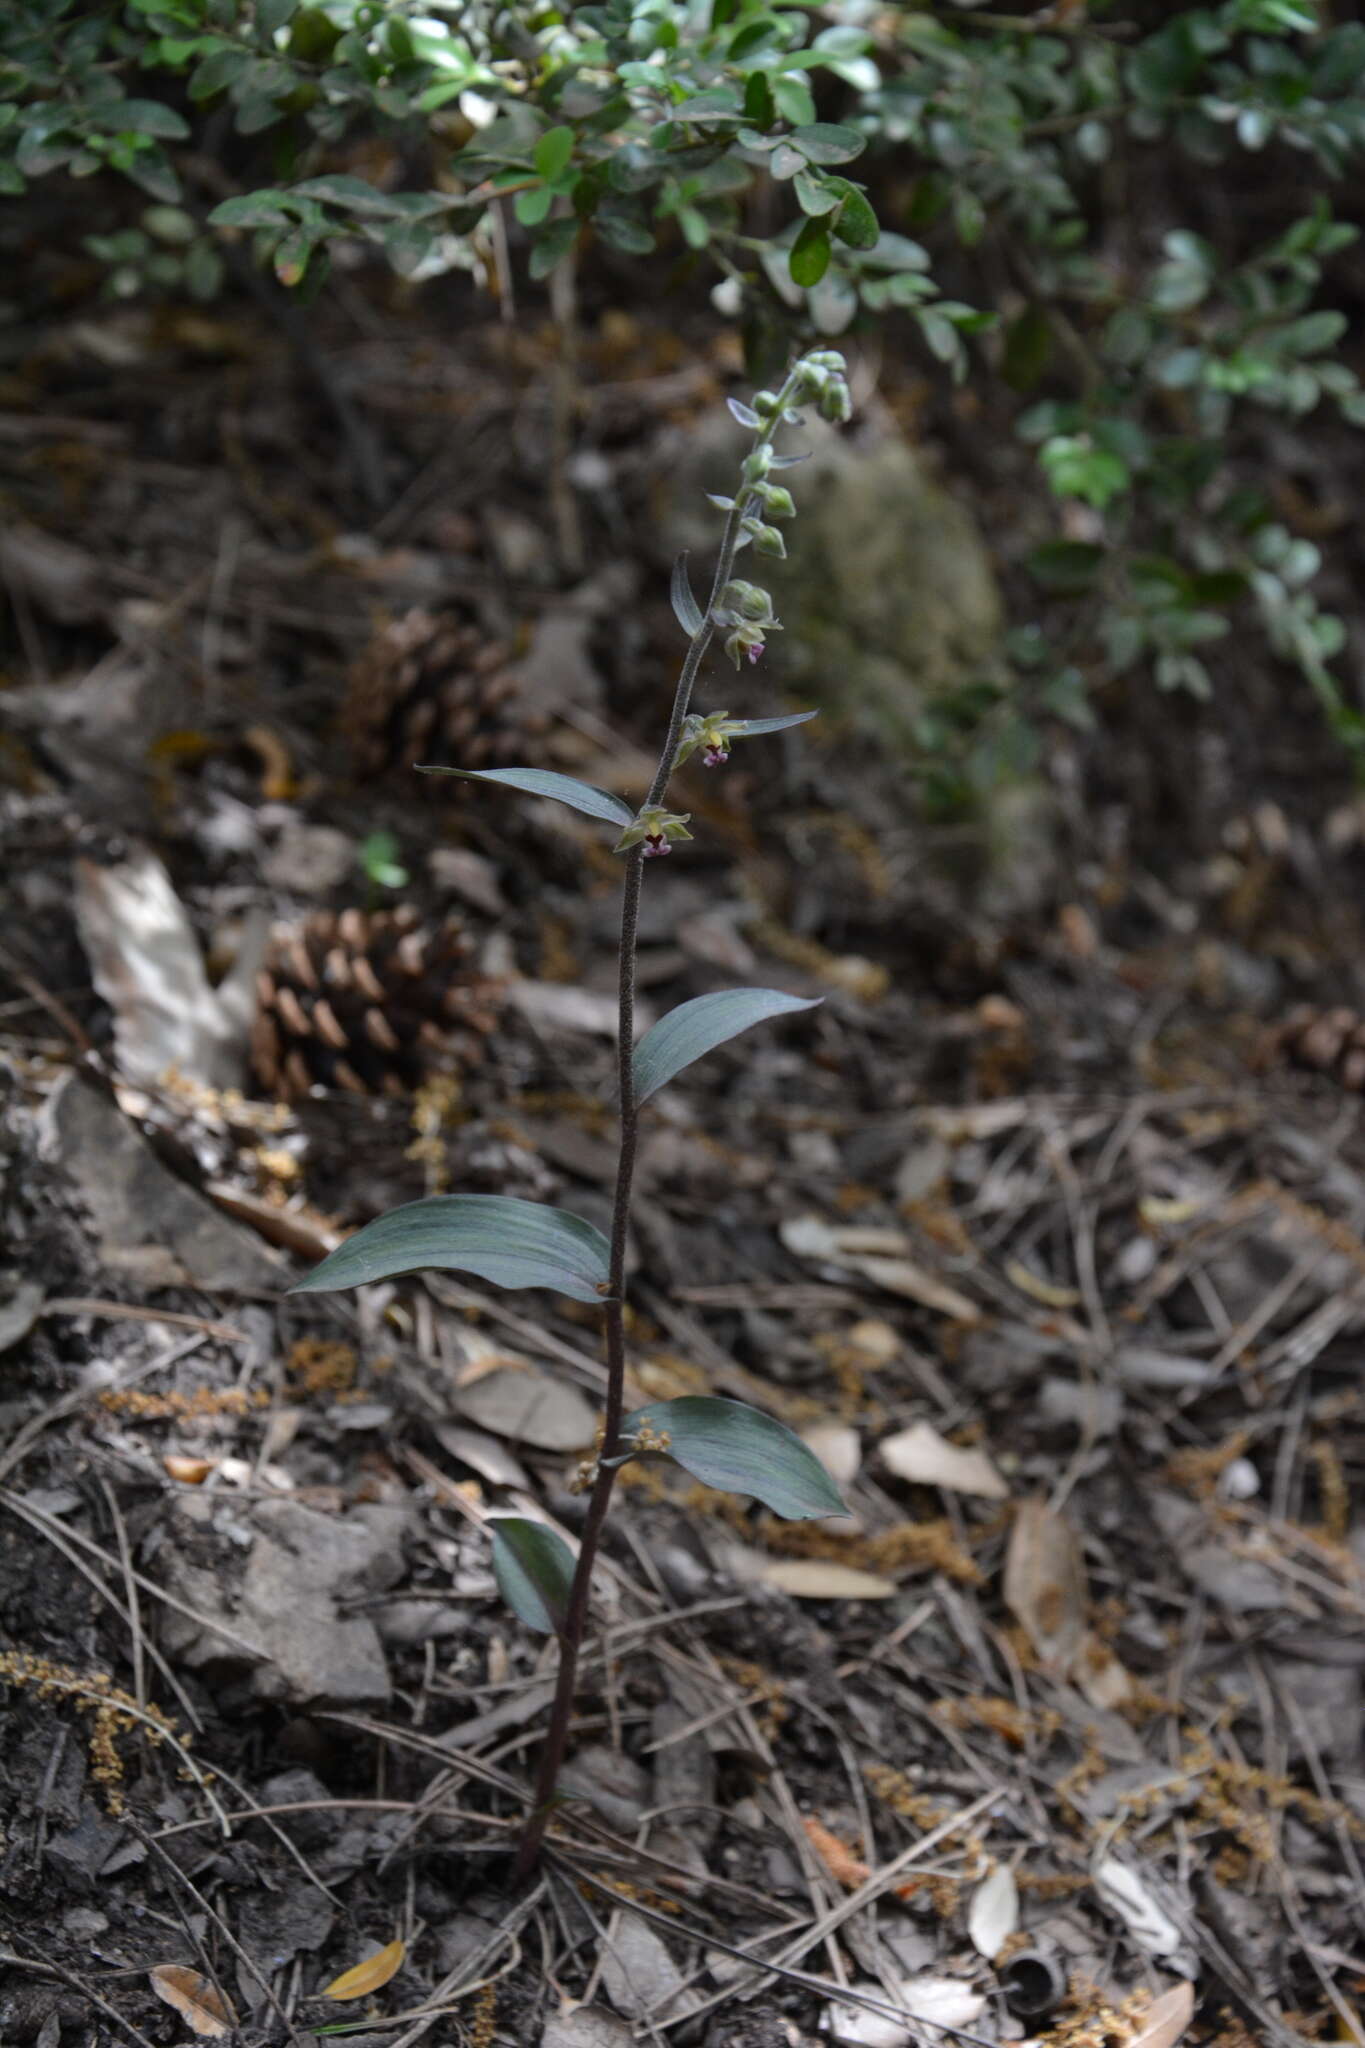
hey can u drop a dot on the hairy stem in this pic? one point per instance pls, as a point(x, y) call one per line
point(599, 1499)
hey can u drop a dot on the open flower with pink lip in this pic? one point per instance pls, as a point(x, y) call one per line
point(655, 829)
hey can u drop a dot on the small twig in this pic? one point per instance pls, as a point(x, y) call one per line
point(18, 1960)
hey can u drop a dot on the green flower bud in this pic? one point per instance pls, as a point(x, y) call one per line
point(745, 602)
point(777, 503)
point(835, 403)
point(757, 464)
point(765, 404)
point(769, 541)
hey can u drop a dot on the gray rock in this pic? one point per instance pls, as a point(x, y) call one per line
point(150, 1228)
point(280, 1610)
point(1242, 1585)
point(613, 1785)
point(639, 1975)
point(589, 2027)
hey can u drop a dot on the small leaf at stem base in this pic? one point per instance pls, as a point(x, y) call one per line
point(686, 610)
point(534, 1568)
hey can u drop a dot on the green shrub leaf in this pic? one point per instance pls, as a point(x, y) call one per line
point(809, 259)
point(737, 1449)
point(551, 154)
point(828, 142)
point(565, 789)
point(498, 1237)
point(707, 1021)
point(534, 1569)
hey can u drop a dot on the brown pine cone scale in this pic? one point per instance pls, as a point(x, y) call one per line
point(368, 1001)
point(1330, 1041)
point(432, 687)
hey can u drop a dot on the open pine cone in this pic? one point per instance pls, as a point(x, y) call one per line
point(367, 1001)
point(1329, 1041)
point(432, 687)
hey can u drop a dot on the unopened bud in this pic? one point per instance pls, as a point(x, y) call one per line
point(777, 503)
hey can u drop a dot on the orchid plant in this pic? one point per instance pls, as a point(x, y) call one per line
point(514, 1243)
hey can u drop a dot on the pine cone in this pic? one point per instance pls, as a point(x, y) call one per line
point(366, 1001)
point(1329, 1041)
point(432, 687)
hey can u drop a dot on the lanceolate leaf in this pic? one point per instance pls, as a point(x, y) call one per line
point(686, 610)
point(510, 1242)
point(565, 789)
point(740, 1450)
point(707, 1021)
point(747, 730)
point(534, 1569)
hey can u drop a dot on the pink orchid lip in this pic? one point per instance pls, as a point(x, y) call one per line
point(754, 652)
point(715, 756)
point(655, 843)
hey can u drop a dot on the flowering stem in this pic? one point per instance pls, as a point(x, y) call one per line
point(575, 1622)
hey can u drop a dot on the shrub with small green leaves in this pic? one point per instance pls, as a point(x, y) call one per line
point(975, 180)
point(513, 1243)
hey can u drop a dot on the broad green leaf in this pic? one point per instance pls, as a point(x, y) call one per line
point(142, 117)
point(686, 610)
point(551, 154)
point(828, 142)
point(856, 223)
point(532, 206)
point(217, 70)
point(814, 195)
point(338, 189)
point(534, 1568)
point(738, 1449)
point(552, 245)
point(267, 209)
point(565, 789)
point(500, 1238)
point(695, 1028)
point(809, 259)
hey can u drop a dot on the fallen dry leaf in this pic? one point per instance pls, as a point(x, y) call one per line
point(1045, 1583)
point(922, 1456)
point(1165, 2019)
point(839, 1860)
point(879, 1255)
point(944, 2002)
point(837, 1447)
point(188, 1471)
point(371, 1975)
point(531, 1407)
point(200, 2004)
point(1037, 1289)
point(1131, 1899)
point(993, 1914)
point(146, 963)
point(1104, 1680)
point(812, 1578)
